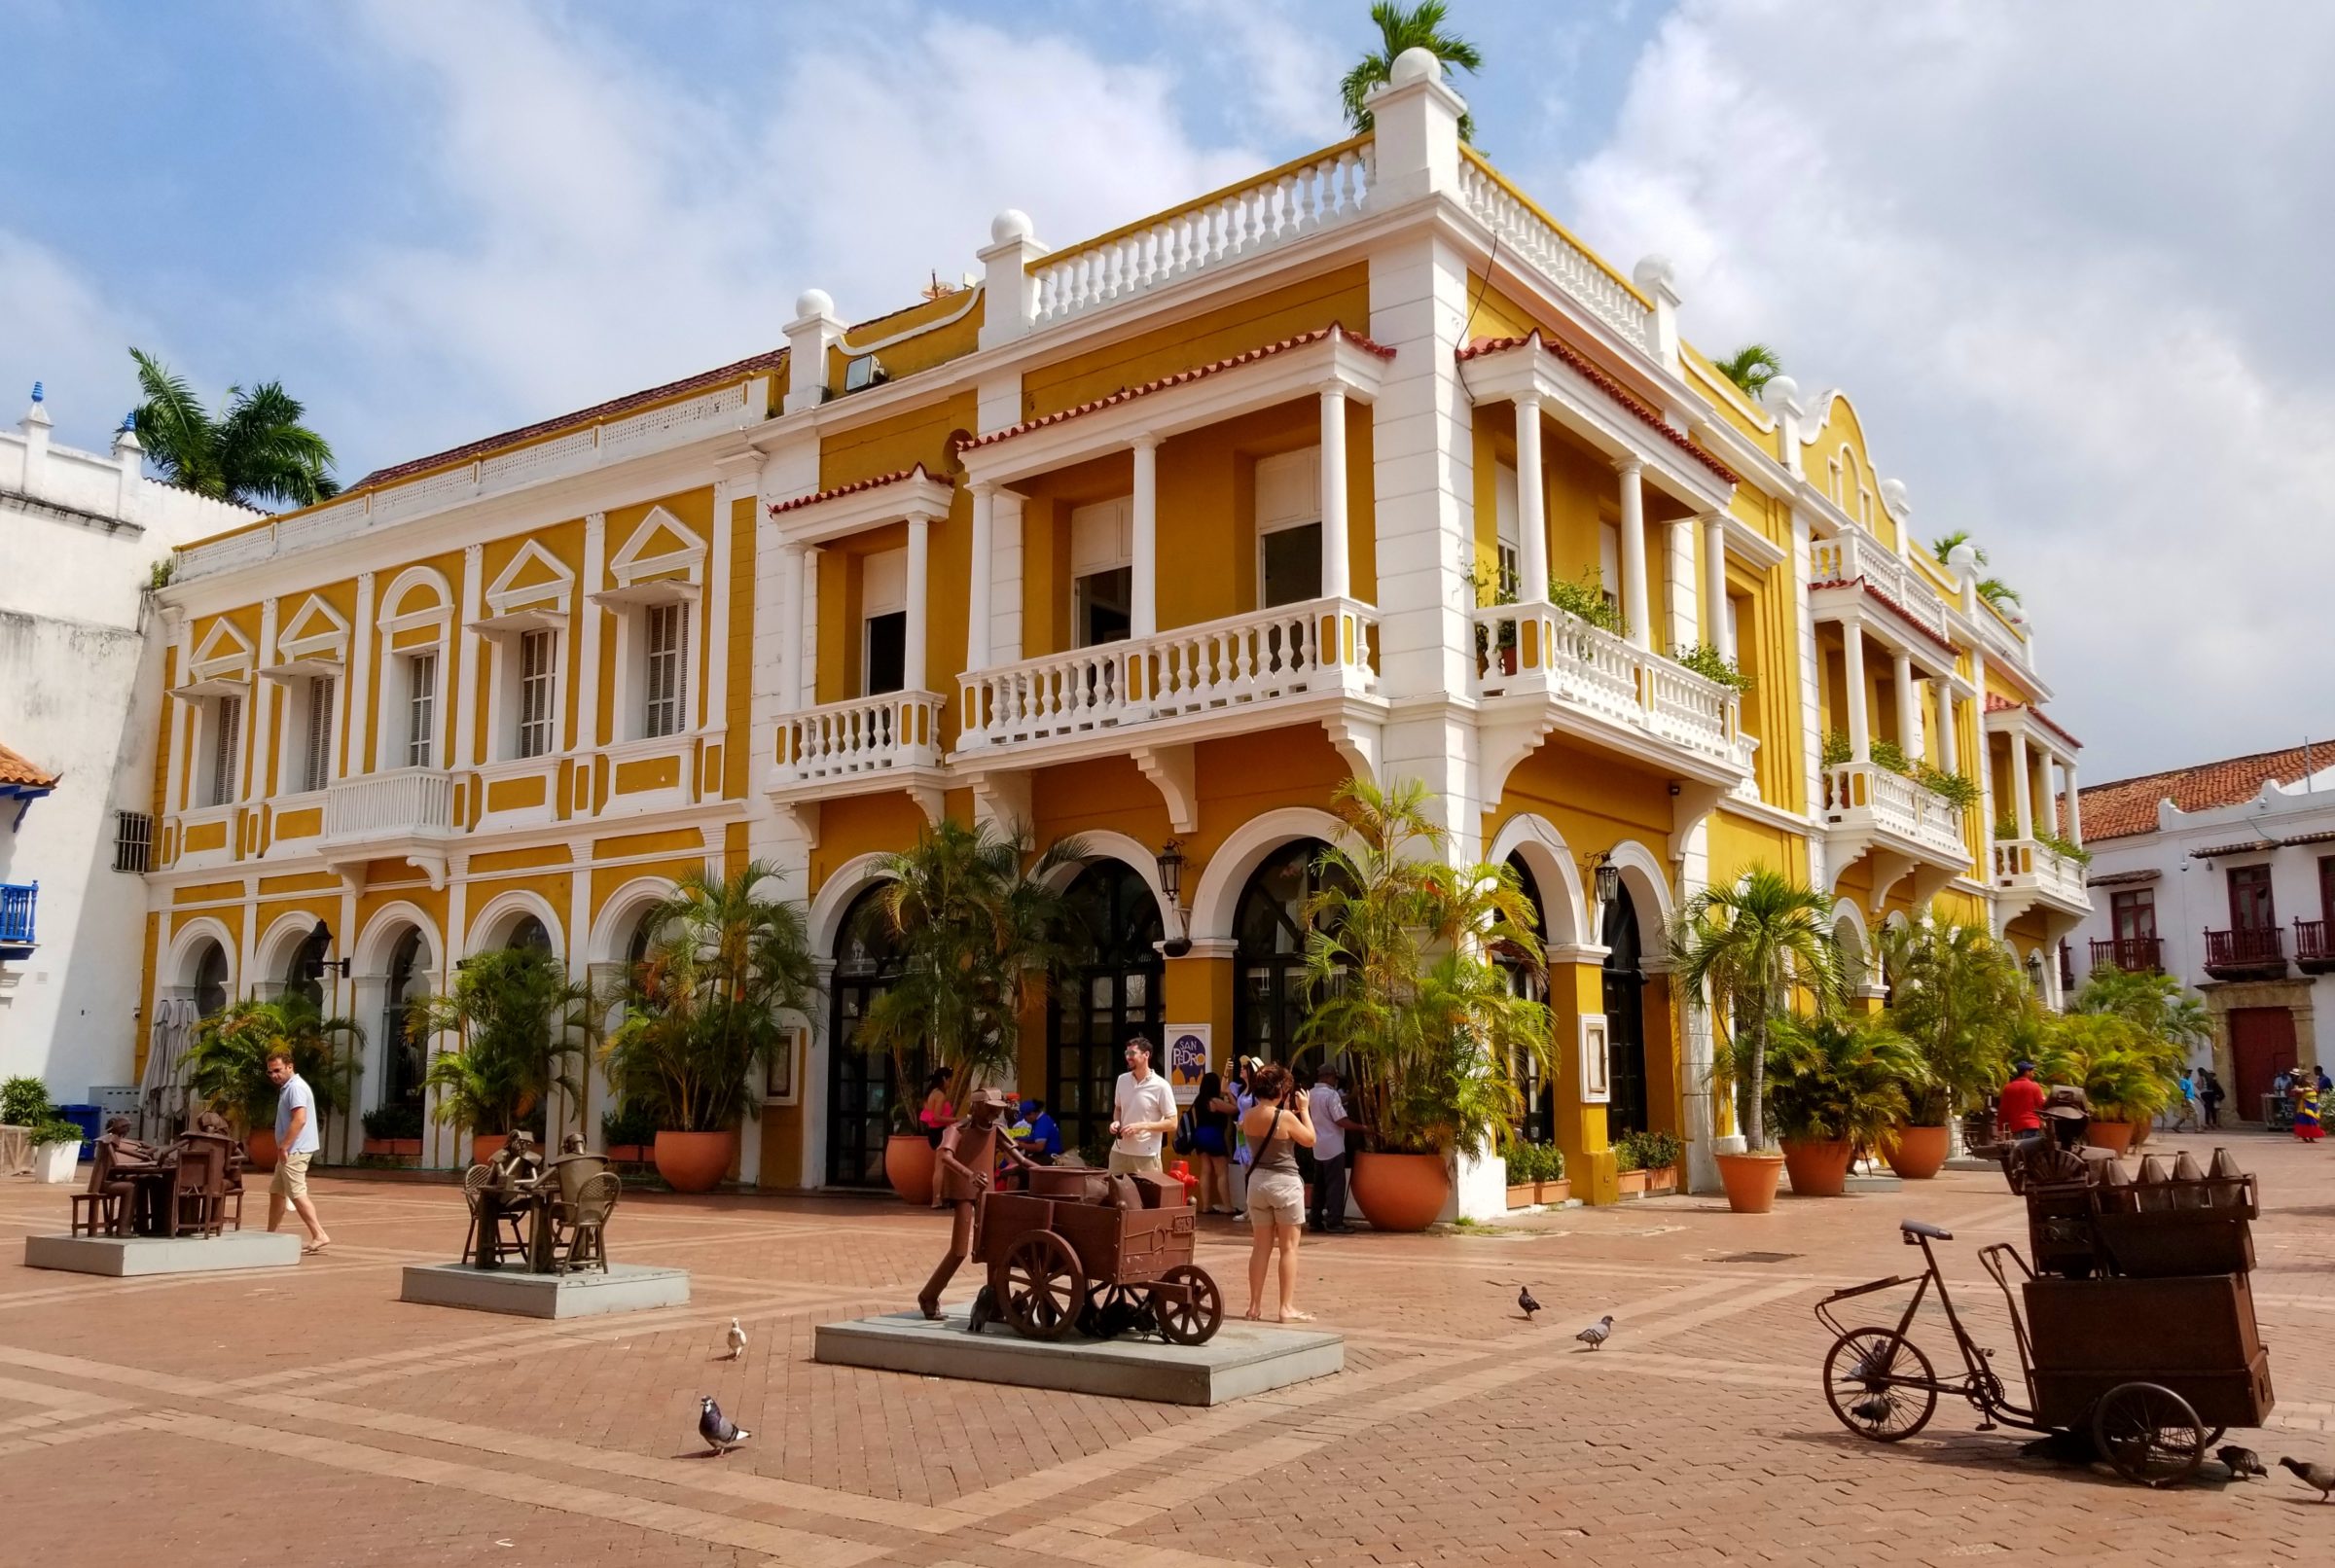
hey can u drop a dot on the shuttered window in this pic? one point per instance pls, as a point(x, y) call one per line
point(667, 655)
point(317, 737)
point(535, 694)
point(421, 709)
point(227, 727)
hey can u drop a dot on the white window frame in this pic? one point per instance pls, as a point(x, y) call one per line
point(535, 714)
point(221, 749)
point(418, 678)
point(319, 704)
point(1116, 518)
point(1507, 536)
point(665, 670)
point(870, 607)
point(1305, 461)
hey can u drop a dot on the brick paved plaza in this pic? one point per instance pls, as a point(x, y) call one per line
point(308, 1417)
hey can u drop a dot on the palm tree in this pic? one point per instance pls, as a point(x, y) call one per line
point(1994, 590)
point(1958, 994)
point(1745, 947)
point(980, 932)
point(255, 451)
point(1419, 26)
point(1751, 368)
point(1833, 1079)
point(226, 1064)
point(521, 1023)
point(701, 1007)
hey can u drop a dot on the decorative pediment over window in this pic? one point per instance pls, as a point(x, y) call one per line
point(418, 596)
point(222, 664)
point(664, 561)
point(530, 594)
point(314, 642)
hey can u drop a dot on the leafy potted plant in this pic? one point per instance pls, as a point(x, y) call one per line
point(1835, 1083)
point(628, 1134)
point(1399, 971)
point(1658, 1155)
point(1745, 946)
point(1957, 993)
point(393, 1132)
point(227, 1065)
point(1550, 1186)
point(2128, 1077)
point(1534, 1170)
point(701, 1012)
point(979, 933)
point(521, 1026)
point(1629, 1166)
point(56, 1142)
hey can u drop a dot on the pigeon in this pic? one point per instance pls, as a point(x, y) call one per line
point(1523, 1300)
point(1871, 1411)
point(1595, 1334)
point(2242, 1462)
point(738, 1341)
point(2321, 1477)
point(720, 1433)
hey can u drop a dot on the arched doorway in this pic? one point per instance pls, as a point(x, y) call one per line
point(1625, 1017)
point(403, 1056)
point(1537, 1088)
point(1268, 1002)
point(303, 973)
point(529, 933)
point(860, 1091)
point(210, 980)
point(1111, 993)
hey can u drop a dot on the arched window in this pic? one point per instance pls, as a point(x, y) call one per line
point(1625, 1017)
point(859, 1084)
point(404, 1056)
point(1538, 1089)
point(303, 975)
point(1270, 1002)
point(1111, 992)
point(210, 980)
point(529, 933)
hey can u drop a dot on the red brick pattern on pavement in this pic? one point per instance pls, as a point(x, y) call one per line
point(195, 1415)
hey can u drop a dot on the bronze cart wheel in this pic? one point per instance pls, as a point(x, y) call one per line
point(2149, 1433)
point(1045, 1288)
point(1879, 1384)
point(1193, 1316)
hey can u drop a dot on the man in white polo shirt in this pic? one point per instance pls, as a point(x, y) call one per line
point(1142, 1108)
point(296, 1143)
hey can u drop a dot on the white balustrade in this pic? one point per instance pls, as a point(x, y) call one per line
point(1542, 649)
point(1295, 649)
point(1530, 235)
point(1862, 795)
point(1855, 556)
point(1330, 188)
point(560, 455)
point(405, 802)
point(858, 736)
point(2031, 862)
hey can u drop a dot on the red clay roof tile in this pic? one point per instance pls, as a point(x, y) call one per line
point(14, 769)
point(853, 488)
point(2125, 806)
point(1608, 385)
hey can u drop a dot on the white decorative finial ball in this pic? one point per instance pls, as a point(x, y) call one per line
point(1415, 64)
point(1652, 272)
point(1783, 389)
point(1962, 558)
point(815, 303)
point(1010, 225)
point(1892, 494)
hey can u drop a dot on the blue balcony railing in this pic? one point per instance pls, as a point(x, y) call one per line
point(16, 919)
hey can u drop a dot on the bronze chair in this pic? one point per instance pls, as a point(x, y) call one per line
point(103, 1208)
point(496, 1245)
point(579, 1228)
point(196, 1187)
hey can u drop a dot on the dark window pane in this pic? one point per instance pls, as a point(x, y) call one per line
point(888, 652)
point(1292, 566)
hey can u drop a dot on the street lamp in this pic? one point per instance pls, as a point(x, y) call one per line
point(1606, 876)
point(1172, 883)
point(321, 940)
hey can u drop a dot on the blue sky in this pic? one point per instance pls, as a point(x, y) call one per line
point(2064, 258)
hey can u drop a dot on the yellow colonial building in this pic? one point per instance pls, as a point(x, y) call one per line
point(1153, 540)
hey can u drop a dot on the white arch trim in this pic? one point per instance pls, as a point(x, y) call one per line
point(371, 950)
point(612, 932)
point(282, 938)
point(1545, 853)
point(491, 926)
point(404, 583)
point(191, 936)
point(1218, 896)
point(1104, 844)
point(844, 883)
point(1649, 884)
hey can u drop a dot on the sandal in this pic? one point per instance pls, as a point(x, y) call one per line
point(1293, 1315)
point(313, 1247)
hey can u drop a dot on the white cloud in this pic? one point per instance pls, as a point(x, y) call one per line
point(62, 331)
point(2068, 269)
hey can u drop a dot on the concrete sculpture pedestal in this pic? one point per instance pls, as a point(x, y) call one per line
point(126, 1257)
point(1243, 1359)
point(591, 1293)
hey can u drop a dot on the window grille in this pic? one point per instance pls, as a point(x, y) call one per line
point(535, 694)
point(133, 841)
point(668, 656)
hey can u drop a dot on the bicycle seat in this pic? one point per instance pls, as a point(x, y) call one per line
point(1911, 1228)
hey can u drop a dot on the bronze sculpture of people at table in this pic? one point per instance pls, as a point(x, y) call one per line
point(968, 1165)
point(514, 1186)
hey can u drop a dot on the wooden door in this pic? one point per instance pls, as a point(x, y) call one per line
point(2261, 1047)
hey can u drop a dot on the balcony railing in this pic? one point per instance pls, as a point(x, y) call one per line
point(1854, 556)
point(1538, 648)
point(2248, 952)
point(16, 903)
point(1296, 649)
point(2314, 949)
point(2029, 863)
point(408, 802)
point(2134, 955)
point(1861, 795)
point(1532, 233)
point(859, 737)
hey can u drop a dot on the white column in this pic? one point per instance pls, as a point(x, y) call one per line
point(2023, 789)
point(1633, 555)
point(807, 630)
point(1909, 706)
point(790, 637)
point(1947, 741)
point(1143, 617)
point(1685, 629)
point(262, 708)
point(716, 632)
point(589, 734)
point(912, 661)
point(464, 677)
point(1852, 652)
point(1337, 569)
point(1714, 583)
point(2076, 801)
point(1531, 506)
point(357, 726)
point(977, 599)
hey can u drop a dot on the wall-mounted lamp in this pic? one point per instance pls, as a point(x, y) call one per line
point(1605, 876)
point(321, 941)
point(1172, 883)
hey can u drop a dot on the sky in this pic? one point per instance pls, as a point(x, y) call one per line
point(2068, 260)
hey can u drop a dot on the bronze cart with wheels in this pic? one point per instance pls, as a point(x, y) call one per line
point(1101, 1255)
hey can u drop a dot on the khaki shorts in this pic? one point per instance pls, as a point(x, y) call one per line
point(1275, 1197)
point(1127, 1164)
point(291, 1178)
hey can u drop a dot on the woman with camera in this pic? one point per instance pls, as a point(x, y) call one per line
point(1277, 1125)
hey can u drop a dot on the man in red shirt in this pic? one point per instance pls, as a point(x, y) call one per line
point(2020, 1106)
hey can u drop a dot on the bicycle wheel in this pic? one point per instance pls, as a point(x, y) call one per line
point(1879, 1384)
point(2149, 1433)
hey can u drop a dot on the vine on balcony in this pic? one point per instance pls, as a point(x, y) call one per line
point(1586, 596)
point(1713, 666)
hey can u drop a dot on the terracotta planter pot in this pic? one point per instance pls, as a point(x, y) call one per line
point(1664, 1180)
point(628, 1153)
point(376, 1148)
point(1750, 1181)
point(405, 1147)
point(907, 1164)
point(485, 1146)
point(2115, 1136)
point(1524, 1197)
point(1818, 1170)
point(1401, 1192)
point(259, 1148)
point(1555, 1191)
point(1631, 1182)
point(695, 1161)
point(1916, 1153)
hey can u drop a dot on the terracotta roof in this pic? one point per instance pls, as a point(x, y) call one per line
point(2002, 705)
point(2129, 806)
point(1128, 394)
point(853, 488)
point(2147, 873)
point(2245, 847)
point(15, 770)
point(1608, 385)
point(767, 361)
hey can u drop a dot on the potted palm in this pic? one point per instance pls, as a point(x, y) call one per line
point(2125, 1076)
point(2168, 1021)
point(1745, 947)
point(227, 1065)
point(1835, 1083)
point(701, 1012)
point(520, 1027)
point(1399, 969)
point(1957, 993)
point(979, 931)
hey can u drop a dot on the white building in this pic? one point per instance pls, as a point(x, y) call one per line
point(2223, 877)
point(79, 696)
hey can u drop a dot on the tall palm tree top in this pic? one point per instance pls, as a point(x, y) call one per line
point(1751, 368)
point(1400, 27)
point(252, 451)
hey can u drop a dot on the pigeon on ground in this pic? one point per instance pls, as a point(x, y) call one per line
point(720, 1433)
point(1523, 1299)
point(1873, 1411)
point(738, 1341)
point(2242, 1462)
point(2321, 1477)
point(1597, 1332)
